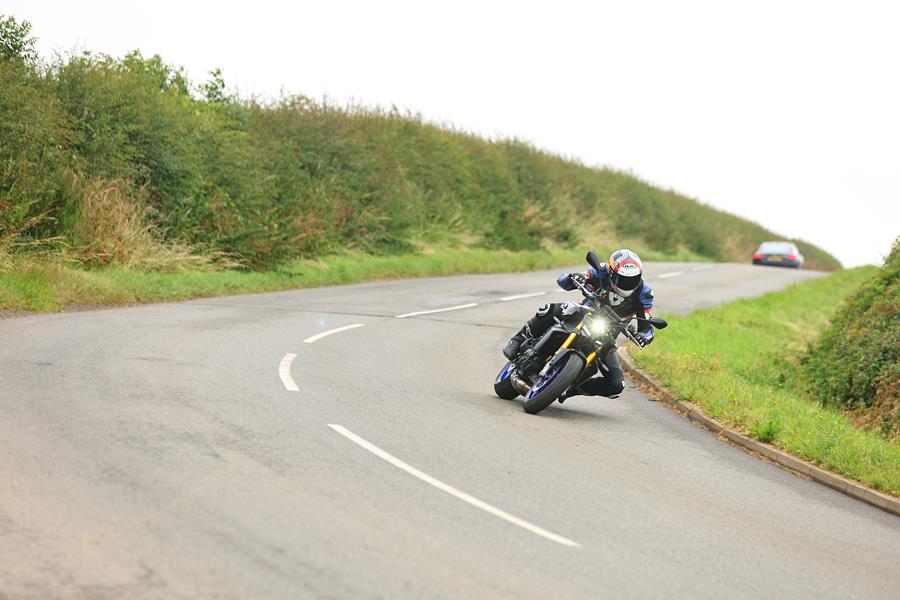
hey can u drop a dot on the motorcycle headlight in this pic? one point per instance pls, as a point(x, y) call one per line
point(595, 328)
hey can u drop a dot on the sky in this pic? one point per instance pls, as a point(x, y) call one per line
point(786, 112)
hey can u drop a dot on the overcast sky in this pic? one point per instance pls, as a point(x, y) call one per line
point(787, 113)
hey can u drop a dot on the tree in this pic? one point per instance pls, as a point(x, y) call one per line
point(15, 41)
point(214, 89)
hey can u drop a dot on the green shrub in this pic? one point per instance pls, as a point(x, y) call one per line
point(856, 363)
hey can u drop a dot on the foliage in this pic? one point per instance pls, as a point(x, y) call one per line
point(16, 42)
point(740, 363)
point(268, 182)
point(856, 363)
point(213, 90)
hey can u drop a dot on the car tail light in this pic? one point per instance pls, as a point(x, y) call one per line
point(758, 256)
point(791, 257)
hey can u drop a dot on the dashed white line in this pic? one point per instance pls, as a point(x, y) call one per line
point(452, 490)
point(518, 296)
point(672, 274)
point(436, 310)
point(284, 371)
point(703, 268)
point(319, 336)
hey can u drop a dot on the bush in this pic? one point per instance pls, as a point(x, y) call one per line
point(856, 363)
point(294, 178)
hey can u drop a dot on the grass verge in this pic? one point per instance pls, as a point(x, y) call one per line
point(48, 286)
point(741, 364)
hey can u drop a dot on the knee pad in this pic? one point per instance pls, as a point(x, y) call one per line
point(617, 386)
point(569, 308)
point(616, 380)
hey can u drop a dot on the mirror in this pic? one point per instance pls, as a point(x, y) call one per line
point(593, 260)
point(658, 323)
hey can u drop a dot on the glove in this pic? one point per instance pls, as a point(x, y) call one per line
point(578, 278)
point(644, 338)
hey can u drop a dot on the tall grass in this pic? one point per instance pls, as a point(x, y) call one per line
point(114, 228)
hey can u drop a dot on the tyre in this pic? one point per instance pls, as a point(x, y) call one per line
point(503, 385)
point(550, 386)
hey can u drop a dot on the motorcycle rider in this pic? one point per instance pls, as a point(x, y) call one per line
point(621, 286)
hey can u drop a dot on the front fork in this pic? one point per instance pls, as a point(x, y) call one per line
point(564, 349)
point(592, 366)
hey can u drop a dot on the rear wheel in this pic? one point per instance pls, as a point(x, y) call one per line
point(552, 384)
point(503, 385)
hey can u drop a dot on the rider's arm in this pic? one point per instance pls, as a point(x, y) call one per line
point(645, 301)
point(565, 279)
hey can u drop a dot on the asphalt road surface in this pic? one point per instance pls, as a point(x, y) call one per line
point(204, 449)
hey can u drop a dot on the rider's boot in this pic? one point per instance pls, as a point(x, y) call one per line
point(572, 391)
point(512, 346)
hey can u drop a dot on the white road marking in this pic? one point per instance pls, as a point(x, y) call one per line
point(284, 371)
point(436, 310)
point(703, 268)
point(452, 490)
point(319, 336)
point(672, 274)
point(518, 296)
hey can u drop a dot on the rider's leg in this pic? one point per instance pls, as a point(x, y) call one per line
point(611, 384)
point(535, 327)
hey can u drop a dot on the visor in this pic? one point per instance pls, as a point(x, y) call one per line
point(625, 284)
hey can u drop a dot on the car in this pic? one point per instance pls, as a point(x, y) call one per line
point(778, 254)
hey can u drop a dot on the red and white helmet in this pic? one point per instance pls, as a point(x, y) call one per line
point(625, 270)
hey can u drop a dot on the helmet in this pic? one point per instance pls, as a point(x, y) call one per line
point(625, 270)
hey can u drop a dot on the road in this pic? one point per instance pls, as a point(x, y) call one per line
point(203, 449)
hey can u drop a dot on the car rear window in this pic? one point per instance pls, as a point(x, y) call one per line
point(777, 248)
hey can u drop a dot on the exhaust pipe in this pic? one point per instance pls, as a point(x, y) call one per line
point(522, 386)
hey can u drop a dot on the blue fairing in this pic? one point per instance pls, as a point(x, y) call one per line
point(505, 372)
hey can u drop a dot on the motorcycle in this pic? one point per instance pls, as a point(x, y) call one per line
point(566, 355)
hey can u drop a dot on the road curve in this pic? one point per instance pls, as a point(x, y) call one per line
point(160, 452)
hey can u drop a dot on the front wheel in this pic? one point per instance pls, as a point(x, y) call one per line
point(552, 384)
point(503, 385)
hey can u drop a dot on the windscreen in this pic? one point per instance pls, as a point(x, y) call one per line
point(777, 248)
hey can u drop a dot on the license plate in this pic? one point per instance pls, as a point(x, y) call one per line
point(775, 258)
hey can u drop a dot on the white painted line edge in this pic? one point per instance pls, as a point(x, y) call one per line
point(452, 490)
point(436, 310)
point(284, 371)
point(672, 274)
point(518, 296)
point(703, 268)
point(319, 336)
